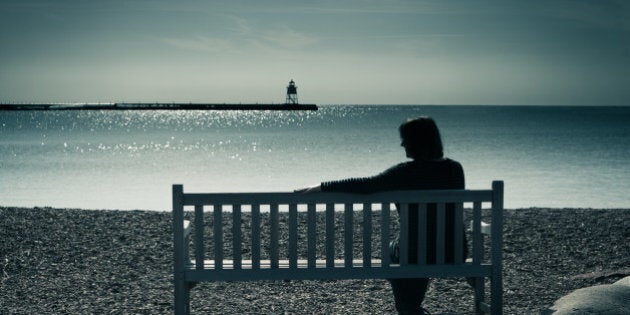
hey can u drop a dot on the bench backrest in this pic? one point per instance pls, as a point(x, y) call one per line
point(305, 228)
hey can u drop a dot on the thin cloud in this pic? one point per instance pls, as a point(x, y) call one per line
point(269, 38)
point(285, 37)
point(202, 44)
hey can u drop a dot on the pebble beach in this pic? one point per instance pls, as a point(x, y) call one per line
point(73, 261)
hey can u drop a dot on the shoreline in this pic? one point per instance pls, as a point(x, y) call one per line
point(93, 261)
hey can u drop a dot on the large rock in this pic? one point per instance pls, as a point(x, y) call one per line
point(601, 299)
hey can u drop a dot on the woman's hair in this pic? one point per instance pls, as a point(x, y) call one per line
point(421, 137)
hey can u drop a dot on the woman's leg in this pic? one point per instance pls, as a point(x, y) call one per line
point(409, 294)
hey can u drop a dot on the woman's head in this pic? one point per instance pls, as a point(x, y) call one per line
point(421, 139)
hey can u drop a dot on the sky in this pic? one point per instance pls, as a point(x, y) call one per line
point(534, 52)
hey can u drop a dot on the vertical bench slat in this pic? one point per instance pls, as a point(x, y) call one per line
point(403, 245)
point(477, 237)
point(367, 235)
point(477, 254)
point(273, 243)
point(422, 234)
point(497, 247)
point(312, 235)
point(348, 234)
point(385, 215)
point(218, 236)
point(256, 236)
point(199, 254)
point(330, 235)
point(440, 233)
point(459, 230)
point(237, 243)
point(181, 292)
point(293, 236)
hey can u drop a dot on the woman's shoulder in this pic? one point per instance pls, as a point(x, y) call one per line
point(442, 161)
point(440, 166)
point(452, 162)
point(417, 165)
point(453, 166)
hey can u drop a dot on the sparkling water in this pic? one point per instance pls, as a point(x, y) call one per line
point(547, 156)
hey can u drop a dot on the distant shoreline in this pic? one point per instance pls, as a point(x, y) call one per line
point(156, 106)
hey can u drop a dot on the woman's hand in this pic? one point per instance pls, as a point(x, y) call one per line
point(310, 189)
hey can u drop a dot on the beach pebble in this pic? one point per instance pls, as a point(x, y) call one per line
point(72, 261)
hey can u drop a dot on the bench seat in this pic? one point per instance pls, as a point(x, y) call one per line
point(321, 272)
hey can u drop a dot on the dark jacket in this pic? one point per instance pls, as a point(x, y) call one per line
point(414, 175)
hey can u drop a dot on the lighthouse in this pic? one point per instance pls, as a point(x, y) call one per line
point(292, 94)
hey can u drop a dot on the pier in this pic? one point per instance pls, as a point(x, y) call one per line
point(291, 104)
point(157, 106)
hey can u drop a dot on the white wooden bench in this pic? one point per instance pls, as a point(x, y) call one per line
point(288, 249)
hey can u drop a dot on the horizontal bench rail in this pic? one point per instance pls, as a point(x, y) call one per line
point(276, 236)
point(403, 196)
point(304, 272)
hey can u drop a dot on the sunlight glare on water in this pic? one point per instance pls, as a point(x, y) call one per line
point(559, 157)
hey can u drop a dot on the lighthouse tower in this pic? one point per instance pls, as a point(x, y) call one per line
point(291, 94)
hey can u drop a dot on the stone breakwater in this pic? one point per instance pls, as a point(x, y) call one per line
point(85, 261)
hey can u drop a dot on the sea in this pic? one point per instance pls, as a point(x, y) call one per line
point(548, 156)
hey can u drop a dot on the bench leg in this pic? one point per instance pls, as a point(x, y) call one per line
point(496, 289)
point(480, 297)
point(182, 298)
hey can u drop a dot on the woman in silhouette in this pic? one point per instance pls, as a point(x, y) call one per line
point(428, 169)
